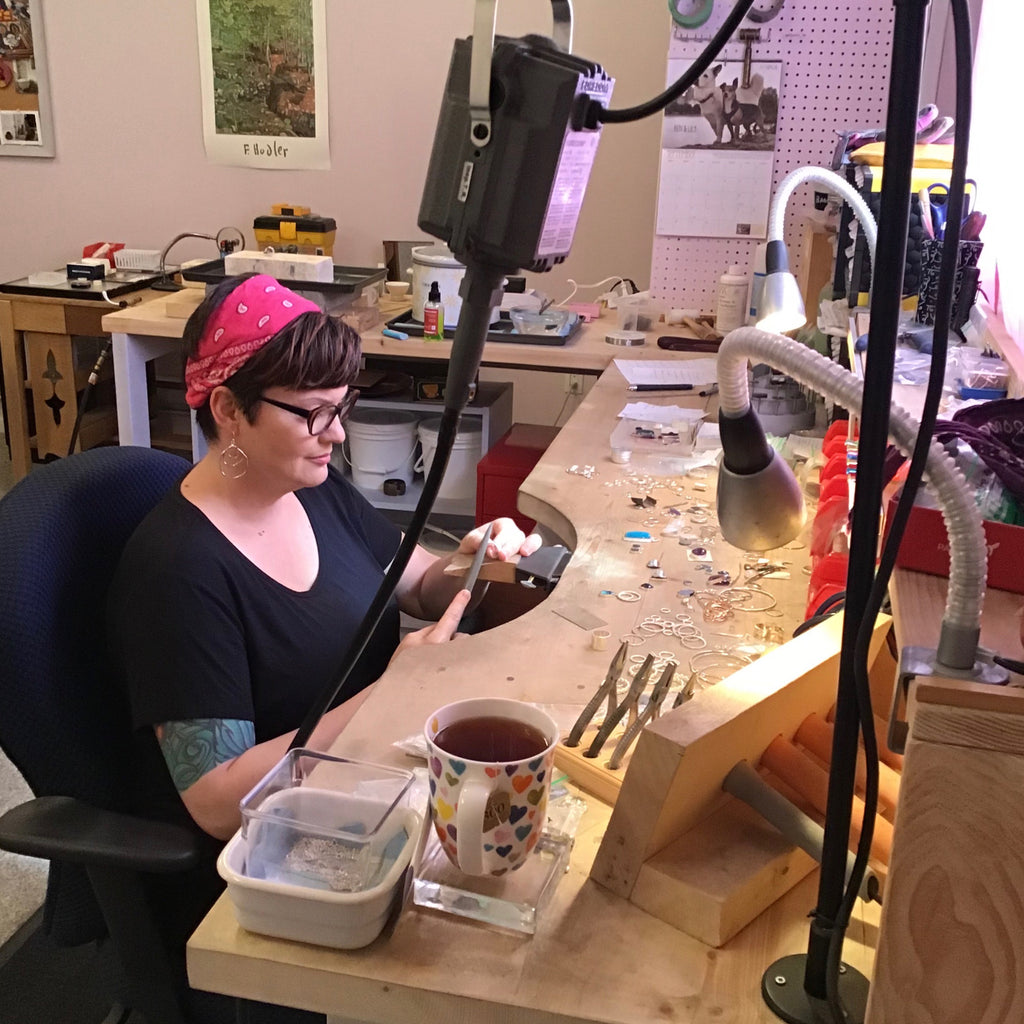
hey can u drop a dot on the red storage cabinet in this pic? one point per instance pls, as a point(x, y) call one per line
point(502, 470)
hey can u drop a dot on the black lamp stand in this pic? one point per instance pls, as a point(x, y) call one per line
point(795, 987)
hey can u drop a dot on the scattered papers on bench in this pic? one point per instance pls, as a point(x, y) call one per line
point(690, 373)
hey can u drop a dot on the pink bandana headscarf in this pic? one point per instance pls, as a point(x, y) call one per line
point(243, 323)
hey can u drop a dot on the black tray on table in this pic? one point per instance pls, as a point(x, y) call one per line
point(502, 330)
point(346, 279)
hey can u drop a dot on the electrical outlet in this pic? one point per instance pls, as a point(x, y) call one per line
point(574, 383)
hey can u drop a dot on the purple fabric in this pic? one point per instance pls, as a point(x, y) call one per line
point(995, 430)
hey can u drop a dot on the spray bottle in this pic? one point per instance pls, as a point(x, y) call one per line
point(433, 315)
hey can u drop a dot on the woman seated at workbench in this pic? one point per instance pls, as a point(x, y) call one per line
point(237, 597)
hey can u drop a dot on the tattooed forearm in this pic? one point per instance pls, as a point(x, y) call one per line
point(193, 748)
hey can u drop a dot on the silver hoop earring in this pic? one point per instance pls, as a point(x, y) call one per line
point(233, 462)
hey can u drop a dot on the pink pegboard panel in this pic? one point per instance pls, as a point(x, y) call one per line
point(835, 76)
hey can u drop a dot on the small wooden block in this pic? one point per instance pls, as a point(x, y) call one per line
point(494, 571)
point(181, 305)
point(715, 879)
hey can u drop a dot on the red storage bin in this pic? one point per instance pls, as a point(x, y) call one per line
point(502, 470)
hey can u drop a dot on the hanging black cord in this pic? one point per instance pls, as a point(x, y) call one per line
point(674, 91)
point(483, 281)
point(915, 473)
point(83, 402)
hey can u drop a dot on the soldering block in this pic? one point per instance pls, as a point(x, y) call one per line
point(281, 265)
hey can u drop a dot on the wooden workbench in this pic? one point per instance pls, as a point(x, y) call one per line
point(43, 328)
point(595, 956)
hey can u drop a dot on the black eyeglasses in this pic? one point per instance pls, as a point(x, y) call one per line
point(319, 419)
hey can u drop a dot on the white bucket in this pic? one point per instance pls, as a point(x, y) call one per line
point(382, 446)
point(460, 477)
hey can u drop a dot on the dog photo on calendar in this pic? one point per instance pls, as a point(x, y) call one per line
point(729, 107)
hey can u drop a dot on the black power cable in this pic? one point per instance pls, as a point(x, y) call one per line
point(482, 282)
point(915, 473)
point(83, 402)
point(598, 113)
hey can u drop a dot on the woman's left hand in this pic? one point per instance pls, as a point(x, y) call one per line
point(506, 540)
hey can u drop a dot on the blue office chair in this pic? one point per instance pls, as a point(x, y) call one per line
point(65, 724)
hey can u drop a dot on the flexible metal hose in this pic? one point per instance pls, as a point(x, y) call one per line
point(968, 558)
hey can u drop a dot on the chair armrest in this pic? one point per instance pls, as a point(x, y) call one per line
point(63, 828)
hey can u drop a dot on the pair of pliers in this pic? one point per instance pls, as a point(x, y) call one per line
point(615, 716)
point(606, 689)
point(654, 702)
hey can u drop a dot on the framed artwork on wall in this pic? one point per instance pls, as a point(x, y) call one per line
point(26, 122)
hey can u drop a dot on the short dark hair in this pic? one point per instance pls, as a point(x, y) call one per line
point(315, 350)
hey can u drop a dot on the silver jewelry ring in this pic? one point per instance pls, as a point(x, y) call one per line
point(628, 595)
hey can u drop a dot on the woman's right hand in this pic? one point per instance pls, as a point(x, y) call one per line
point(440, 632)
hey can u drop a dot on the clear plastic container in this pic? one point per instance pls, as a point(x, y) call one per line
point(327, 849)
point(550, 321)
point(639, 312)
point(322, 822)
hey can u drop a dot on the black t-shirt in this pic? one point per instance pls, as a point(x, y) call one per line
point(198, 631)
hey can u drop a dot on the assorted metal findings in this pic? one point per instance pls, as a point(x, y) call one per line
point(654, 702)
point(613, 718)
point(628, 595)
point(647, 502)
point(605, 690)
point(587, 471)
point(712, 666)
point(770, 634)
point(748, 594)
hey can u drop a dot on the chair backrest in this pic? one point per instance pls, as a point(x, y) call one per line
point(63, 719)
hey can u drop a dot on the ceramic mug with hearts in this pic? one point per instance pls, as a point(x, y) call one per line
point(490, 762)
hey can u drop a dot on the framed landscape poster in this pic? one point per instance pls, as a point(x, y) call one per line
point(26, 124)
point(263, 72)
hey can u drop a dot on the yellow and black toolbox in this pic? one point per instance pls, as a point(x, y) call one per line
point(294, 229)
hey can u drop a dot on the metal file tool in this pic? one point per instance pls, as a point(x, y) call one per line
point(613, 718)
point(658, 694)
point(606, 689)
point(478, 559)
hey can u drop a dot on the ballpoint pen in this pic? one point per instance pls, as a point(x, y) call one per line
point(659, 387)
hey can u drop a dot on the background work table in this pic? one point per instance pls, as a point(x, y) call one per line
point(595, 957)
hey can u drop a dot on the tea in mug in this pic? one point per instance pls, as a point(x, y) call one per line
point(491, 738)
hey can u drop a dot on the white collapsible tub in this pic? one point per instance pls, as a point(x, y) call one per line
point(460, 477)
point(381, 445)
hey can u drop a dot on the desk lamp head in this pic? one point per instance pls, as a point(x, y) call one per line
point(760, 504)
point(781, 307)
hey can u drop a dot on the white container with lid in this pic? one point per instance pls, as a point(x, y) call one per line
point(437, 263)
point(731, 308)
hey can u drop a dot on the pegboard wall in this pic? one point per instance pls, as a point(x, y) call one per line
point(835, 76)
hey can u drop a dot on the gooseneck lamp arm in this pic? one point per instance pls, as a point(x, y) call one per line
point(752, 485)
point(781, 307)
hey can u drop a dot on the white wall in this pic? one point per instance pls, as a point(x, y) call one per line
point(130, 163)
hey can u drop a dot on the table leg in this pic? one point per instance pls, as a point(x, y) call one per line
point(131, 353)
point(14, 391)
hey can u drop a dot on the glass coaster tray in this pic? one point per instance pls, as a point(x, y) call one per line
point(515, 900)
point(512, 901)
